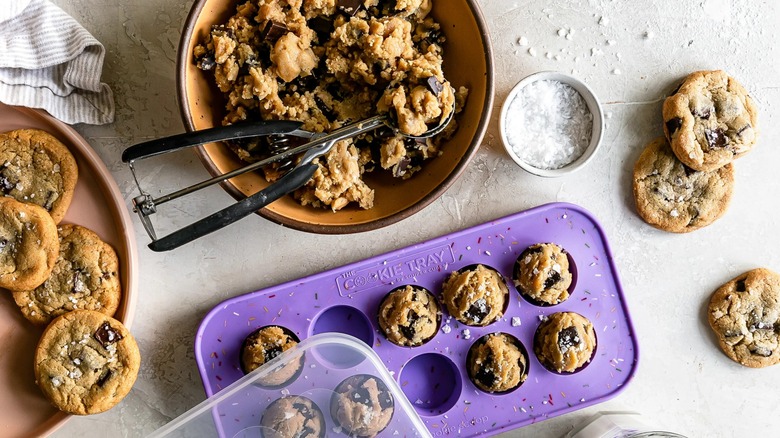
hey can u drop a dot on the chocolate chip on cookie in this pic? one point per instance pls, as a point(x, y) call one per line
point(710, 121)
point(745, 316)
point(28, 245)
point(86, 362)
point(37, 168)
point(673, 197)
point(85, 276)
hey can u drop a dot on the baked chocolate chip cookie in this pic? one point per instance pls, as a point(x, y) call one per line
point(710, 121)
point(673, 197)
point(37, 168)
point(85, 276)
point(28, 245)
point(86, 362)
point(745, 315)
point(409, 316)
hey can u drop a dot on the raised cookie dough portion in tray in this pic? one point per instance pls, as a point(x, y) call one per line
point(433, 376)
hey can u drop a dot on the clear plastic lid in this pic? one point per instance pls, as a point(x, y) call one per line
point(329, 384)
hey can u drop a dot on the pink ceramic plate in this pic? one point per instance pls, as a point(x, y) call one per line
point(97, 205)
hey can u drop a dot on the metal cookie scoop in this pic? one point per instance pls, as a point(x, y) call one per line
point(320, 144)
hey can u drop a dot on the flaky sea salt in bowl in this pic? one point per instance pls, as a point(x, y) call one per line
point(551, 124)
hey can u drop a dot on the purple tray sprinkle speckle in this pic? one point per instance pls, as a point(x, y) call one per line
point(433, 376)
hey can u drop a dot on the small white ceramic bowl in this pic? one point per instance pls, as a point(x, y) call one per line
point(593, 105)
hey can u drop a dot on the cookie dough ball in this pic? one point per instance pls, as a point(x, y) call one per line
point(409, 316)
point(475, 296)
point(565, 342)
point(542, 273)
point(496, 363)
point(362, 406)
point(293, 417)
point(262, 346)
point(745, 316)
point(419, 108)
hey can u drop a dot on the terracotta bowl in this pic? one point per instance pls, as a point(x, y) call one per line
point(468, 61)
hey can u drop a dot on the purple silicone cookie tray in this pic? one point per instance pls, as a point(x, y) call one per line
point(433, 376)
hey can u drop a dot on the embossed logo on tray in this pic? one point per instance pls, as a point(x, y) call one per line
point(396, 272)
point(457, 429)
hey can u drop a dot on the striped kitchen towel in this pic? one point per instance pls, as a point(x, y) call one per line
point(50, 61)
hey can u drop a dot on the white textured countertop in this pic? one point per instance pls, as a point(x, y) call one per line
point(631, 53)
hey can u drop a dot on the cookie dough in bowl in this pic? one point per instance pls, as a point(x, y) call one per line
point(350, 60)
point(409, 316)
point(565, 342)
point(475, 295)
point(362, 406)
point(497, 363)
point(542, 274)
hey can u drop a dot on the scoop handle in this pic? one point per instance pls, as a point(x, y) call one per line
point(211, 135)
point(291, 181)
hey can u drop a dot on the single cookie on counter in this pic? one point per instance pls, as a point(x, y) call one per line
point(86, 362)
point(673, 197)
point(293, 416)
point(475, 295)
point(28, 245)
point(564, 342)
point(409, 316)
point(710, 121)
point(362, 406)
point(745, 316)
point(262, 346)
point(37, 168)
point(495, 363)
point(542, 274)
point(85, 276)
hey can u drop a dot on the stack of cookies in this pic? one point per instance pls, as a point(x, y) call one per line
point(63, 277)
point(684, 180)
